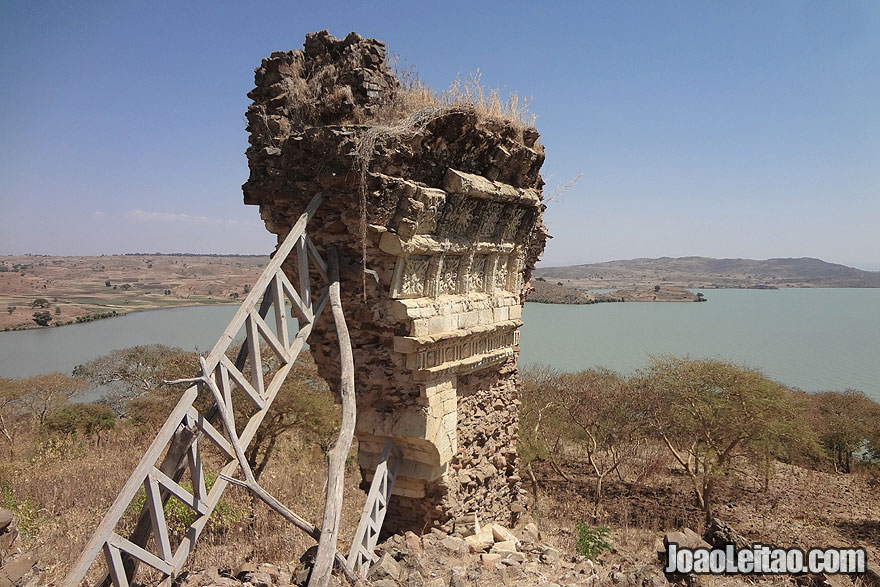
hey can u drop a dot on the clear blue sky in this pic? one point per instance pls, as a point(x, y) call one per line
point(724, 129)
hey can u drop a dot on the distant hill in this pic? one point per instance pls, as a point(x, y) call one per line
point(705, 272)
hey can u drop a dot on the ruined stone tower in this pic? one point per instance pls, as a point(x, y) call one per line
point(444, 206)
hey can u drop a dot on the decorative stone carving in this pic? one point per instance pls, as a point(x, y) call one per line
point(476, 277)
point(456, 353)
point(511, 224)
point(415, 276)
point(491, 216)
point(432, 202)
point(449, 275)
point(459, 216)
point(501, 273)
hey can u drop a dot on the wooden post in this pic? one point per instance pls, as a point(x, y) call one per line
point(337, 456)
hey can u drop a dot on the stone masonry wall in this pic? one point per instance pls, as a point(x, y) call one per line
point(453, 229)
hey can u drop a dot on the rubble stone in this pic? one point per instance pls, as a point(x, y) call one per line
point(385, 568)
point(503, 547)
point(502, 534)
point(455, 545)
point(686, 538)
point(480, 542)
point(5, 519)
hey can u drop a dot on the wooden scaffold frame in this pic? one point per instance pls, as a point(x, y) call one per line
point(186, 429)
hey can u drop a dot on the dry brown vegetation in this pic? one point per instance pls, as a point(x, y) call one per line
point(416, 102)
point(61, 475)
point(771, 459)
point(317, 90)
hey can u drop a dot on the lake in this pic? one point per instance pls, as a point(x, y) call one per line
point(814, 339)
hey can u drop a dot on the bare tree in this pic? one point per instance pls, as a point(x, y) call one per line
point(540, 430)
point(304, 402)
point(137, 371)
point(43, 394)
point(12, 408)
point(605, 409)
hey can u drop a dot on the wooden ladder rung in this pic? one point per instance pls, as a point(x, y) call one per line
point(178, 491)
point(118, 542)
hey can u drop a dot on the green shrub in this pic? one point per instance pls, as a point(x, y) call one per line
point(89, 419)
point(28, 514)
point(592, 540)
point(179, 516)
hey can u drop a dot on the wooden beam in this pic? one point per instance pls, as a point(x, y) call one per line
point(302, 268)
point(337, 456)
point(366, 536)
point(320, 264)
point(297, 303)
point(131, 487)
point(270, 338)
point(179, 492)
point(253, 340)
point(255, 396)
point(136, 551)
point(115, 565)
point(262, 283)
point(280, 311)
point(157, 514)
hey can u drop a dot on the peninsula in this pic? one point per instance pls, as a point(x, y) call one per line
point(705, 272)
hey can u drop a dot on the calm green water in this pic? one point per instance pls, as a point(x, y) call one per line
point(815, 339)
point(34, 352)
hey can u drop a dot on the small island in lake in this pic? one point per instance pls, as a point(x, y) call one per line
point(546, 292)
point(657, 294)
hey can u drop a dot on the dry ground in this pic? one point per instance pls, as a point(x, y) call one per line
point(60, 493)
point(802, 508)
point(64, 488)
point(703, 272)
point(76, 286)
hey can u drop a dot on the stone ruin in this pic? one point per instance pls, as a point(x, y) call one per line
point(437, 221)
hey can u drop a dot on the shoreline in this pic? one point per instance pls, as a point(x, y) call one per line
point(118, 315)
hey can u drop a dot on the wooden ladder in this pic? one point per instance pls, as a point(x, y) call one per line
point(181, 438)
point(362, 553)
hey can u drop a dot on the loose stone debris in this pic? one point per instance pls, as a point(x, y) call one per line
point(438, 559)
point(17, 569)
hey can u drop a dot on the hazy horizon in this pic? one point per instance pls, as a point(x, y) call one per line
point(724, 130)
point(541, 263)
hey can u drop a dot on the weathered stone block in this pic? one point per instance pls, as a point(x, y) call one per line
point(385, 568)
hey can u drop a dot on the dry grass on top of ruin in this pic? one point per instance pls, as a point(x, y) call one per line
point(413, 106)
point(321, 86)
point(466, 93)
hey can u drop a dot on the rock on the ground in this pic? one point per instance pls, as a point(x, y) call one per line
point(385, 568)
point(5, 519)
